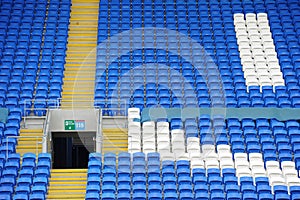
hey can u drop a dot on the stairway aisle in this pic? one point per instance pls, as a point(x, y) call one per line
point(30, 140)
point(115, 140)
point(67, 184)
point(80, 67)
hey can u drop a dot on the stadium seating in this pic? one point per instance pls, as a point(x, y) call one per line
point(219, 60)
point(168, 54)
point(32, 61)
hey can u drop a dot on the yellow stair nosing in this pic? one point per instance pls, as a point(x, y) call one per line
point(68, 170)
point(31, 130)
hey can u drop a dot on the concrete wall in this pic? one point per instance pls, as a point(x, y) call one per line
point(58, 117)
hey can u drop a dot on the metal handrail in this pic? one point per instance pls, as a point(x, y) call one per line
point(17, 137)
point(56, 102)
point(45, 131)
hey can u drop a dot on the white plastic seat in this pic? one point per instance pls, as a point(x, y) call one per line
point(224, 155)
point(165, 155)
point(250, 17)
point(268, 45)
point(243, 38)
point(133, 113)
point(258, 171)
point(182, 156)
point(290, 173)
point(241, 164)
point(149, 146)
point(207, 148)
point(163, 138)
point(264, 81)
point(288, 165)
point(178, 146)
point(257, 52)
point(275, 172)
point(263, 72)
point(211, 163)
point(193, 144)
point(250, 72)
point(292, 181)
point(134, 146)
point(226, 163)
point(162, 128)
point(195, 155)
point(241, 172)
point(265, 35)
point(238, 16)
point(255, 157)
point(277, 181)
point(163, 145)
point(177, 133)
point(272, 164)
point(197, 163)
point(262, 17)
point(239, 156)
point(148, 129)
point(223, 148)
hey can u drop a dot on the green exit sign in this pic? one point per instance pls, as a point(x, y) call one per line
point(69, 124)
point(72, 125)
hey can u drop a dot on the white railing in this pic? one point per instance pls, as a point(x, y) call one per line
point(37, 142)
point(46, 132)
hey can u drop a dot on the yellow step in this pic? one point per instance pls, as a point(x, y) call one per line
point(114, 130)
point(65, 196)
point(68, 170)
point(82, 45)
point(31, 130)
point(114, 149)
point(79, 28)
point(27, 141)
point(86, 2)
point(77, 93)
point(79, 79)
point(23, 151)
point(68, 179)
point(80, 174)
point(71, 187)
point(78, 7)
point(79, 65)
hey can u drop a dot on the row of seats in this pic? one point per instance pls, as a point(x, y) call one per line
point(136, 174)
point(24, 180)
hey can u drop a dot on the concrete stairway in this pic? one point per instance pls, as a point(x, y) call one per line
point(79, 81)
point(30, 141)
point(115, 140)
point(67, 184)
